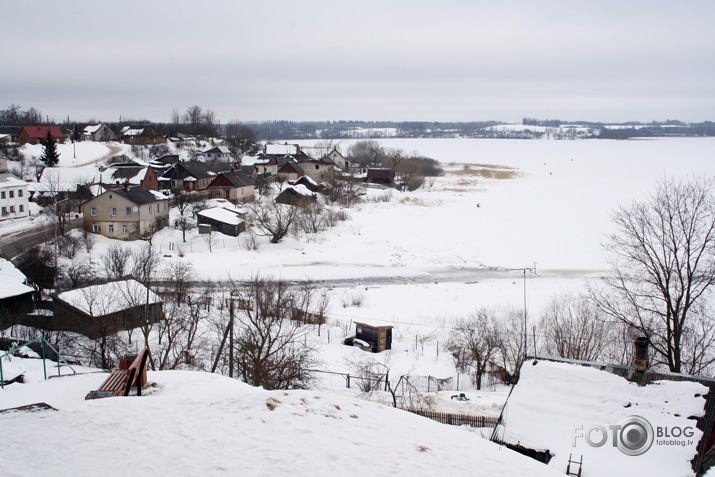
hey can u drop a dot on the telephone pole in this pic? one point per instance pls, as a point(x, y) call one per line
point(531, 269)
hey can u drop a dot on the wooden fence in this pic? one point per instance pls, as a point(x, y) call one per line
point(456, 419)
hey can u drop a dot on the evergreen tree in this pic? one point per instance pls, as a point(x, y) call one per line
point(50, 156)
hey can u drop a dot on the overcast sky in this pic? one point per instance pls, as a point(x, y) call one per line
point(369, 60)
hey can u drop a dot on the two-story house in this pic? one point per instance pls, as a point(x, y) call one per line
point(317, 169)
point(98, 132)
point(14, 198)
point(143, 134)
point(218, 153)
point(126, 213)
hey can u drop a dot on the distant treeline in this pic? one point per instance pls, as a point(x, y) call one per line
point(200, 121)
point(269, 130)
point(366, 129)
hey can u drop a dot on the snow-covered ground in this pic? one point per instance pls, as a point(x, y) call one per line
point(452, 246)
point(191, 423)
point(418, 261)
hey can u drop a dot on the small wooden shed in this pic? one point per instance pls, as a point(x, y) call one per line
point(378, 337)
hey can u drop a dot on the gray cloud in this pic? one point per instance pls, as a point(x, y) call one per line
point(459, 60)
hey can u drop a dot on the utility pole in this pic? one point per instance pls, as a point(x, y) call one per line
point(531, 269)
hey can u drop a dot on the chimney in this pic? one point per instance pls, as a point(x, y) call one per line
point(641, 354)
point(126, 186)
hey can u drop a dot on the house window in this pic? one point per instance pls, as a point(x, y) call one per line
point(217, 193)
point(22, 208)
point(19, 193)
point(150, 209)
point(12, 194)
point(129, 211)
point(12, 209)
point(124, 228)
point(114, 211)
point(110, 227)
point(4, 211)
point(317, 167)
point(96, 228)
point(93, 211)
point(2, 195)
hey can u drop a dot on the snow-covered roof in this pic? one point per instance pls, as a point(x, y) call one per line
point(283, 149)
point(129, 131)
point(12, 280)
point(92, 128)
point(131, 175)
point(302, 190)
point(57, 179)
point(218, 150)
point(551, 400)
point(222, 215)
point(158, 195)
point(108, 298)
point(97, 189)
point(9, 180)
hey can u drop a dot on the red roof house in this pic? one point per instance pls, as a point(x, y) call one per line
point(37, 134)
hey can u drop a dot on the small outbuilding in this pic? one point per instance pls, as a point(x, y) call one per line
point(373, 338)
point(380, 176)
point(228, 222)
point(297, 195)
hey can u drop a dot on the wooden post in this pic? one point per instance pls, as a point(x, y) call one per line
point(230, 340)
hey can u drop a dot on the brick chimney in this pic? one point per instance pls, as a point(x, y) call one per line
point(641, 354)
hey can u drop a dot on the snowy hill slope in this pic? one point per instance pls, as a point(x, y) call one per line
point(203, 424)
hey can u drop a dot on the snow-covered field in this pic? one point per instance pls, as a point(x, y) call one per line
point(502, 205)
point(418, 261)
point(462, 241)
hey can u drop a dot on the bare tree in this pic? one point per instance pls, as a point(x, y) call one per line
point(180, 336)
point(211, 237)
point(80, 273)
point(270, 347)
point(273, 220)
point(185, 224)
point(240, 136)
point(572, 327)
point(663, 265)
point(512, 346)
point(179, 275)
point(474, 342)
point(116, 261)
point(312, 219)
point(409, 174)
point(344, 190)
point(366, 153)
point(183, 199)
point(374, 376)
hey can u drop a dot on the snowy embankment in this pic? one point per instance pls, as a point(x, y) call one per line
point(191, 423)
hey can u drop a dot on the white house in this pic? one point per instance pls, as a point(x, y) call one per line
point(99, 132)
point(340, 161)
point(218, 153)
point(14, 198)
